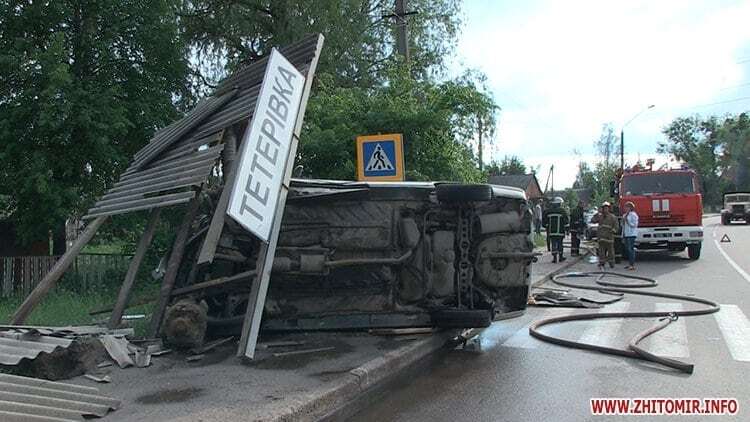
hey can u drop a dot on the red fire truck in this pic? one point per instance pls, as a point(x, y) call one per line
point(669, 206)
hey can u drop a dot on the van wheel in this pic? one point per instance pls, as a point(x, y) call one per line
point(694, 251)
point(455, 192)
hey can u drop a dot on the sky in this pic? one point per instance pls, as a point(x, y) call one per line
point(560, 70)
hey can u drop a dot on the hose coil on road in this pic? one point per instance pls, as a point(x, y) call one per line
point(618, 288)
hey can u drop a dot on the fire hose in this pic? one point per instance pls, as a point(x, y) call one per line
point(618, 288)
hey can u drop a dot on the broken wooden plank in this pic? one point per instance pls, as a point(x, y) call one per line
point(194, 358)
point(135, 263)
point(117, 348)
point(208, 249)
point(62, 264)
point(214, 283)
point(273, 344)
point(105, 379)
point(212, 345)
point(173, 266)
point(305, 351)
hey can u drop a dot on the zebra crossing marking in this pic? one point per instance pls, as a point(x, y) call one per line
point(671, 341)
point(735, 328)
point(604, 332)
point(733, 324)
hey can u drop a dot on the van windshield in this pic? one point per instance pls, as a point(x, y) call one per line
point(657, 183)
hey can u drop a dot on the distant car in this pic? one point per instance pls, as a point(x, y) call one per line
point(591, 228)
point(736, 207)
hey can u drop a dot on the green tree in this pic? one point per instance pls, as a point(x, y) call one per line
point(423, 111)
point(510, 164)
point(696, 141)
point(734, 134)
point(83, 85)
point(360, 38)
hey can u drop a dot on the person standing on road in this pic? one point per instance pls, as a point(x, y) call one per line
point(629, 232)
point(577, 225)
point(556, 221)
point(606, 235)
point(538, 217)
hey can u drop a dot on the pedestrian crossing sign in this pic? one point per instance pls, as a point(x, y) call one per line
point(380, 157)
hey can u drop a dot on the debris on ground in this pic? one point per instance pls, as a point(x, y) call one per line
point(194, 358)
point(185, 324)
point(273, 344)
point(305, 351)
point(104, 379)
point(33, 399)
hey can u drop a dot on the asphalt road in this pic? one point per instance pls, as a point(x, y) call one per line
point(517, 378)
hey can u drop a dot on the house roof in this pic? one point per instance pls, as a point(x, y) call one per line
point(181, 156)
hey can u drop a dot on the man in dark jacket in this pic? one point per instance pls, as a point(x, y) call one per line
point(556, 222)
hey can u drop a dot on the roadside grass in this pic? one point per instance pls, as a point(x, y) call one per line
point(62, 308)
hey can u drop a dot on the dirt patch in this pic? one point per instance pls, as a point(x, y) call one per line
point(173, 395)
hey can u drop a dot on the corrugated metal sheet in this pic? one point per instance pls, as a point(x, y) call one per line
point(181, 156)
point(15, 347)
point(32, 399)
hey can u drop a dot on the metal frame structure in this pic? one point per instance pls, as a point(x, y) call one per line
point(174, 167)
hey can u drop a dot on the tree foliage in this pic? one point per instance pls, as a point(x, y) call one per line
point(424, 112)
point(509, 165)
point(717, 149)
point(83, 85)
point(359, 35)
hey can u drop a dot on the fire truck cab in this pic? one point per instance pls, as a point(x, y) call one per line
point(669, 206)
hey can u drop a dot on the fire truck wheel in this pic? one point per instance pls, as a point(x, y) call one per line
point(694, 251)
point(455, 192)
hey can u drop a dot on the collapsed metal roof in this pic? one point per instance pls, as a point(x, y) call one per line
point(181, 156)
point(32, 399)
point(15, 347)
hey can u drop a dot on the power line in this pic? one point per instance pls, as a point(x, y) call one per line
point(734, 86)
point(722, 102)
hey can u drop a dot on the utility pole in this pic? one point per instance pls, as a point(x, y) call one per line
point(402, 28)
point(481, 129)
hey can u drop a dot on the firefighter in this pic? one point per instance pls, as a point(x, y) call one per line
point(556, 222)
point(605, 234)
point(577, 226)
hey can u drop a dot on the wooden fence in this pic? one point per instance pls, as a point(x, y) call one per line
point(20, 274)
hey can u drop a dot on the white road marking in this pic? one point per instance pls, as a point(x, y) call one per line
point(735, 327)
point(731, 262)
point(671, 341)
point(522, 339)
point(604, 332)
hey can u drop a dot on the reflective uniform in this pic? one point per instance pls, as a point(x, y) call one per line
point(556, 222)
point(605, 234)
point(577, 226)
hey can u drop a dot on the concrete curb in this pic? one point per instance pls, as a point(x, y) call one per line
point(334, 395)
point(316, 404)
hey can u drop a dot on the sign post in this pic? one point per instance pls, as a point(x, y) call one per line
point(380, 157)
point(259, 191)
